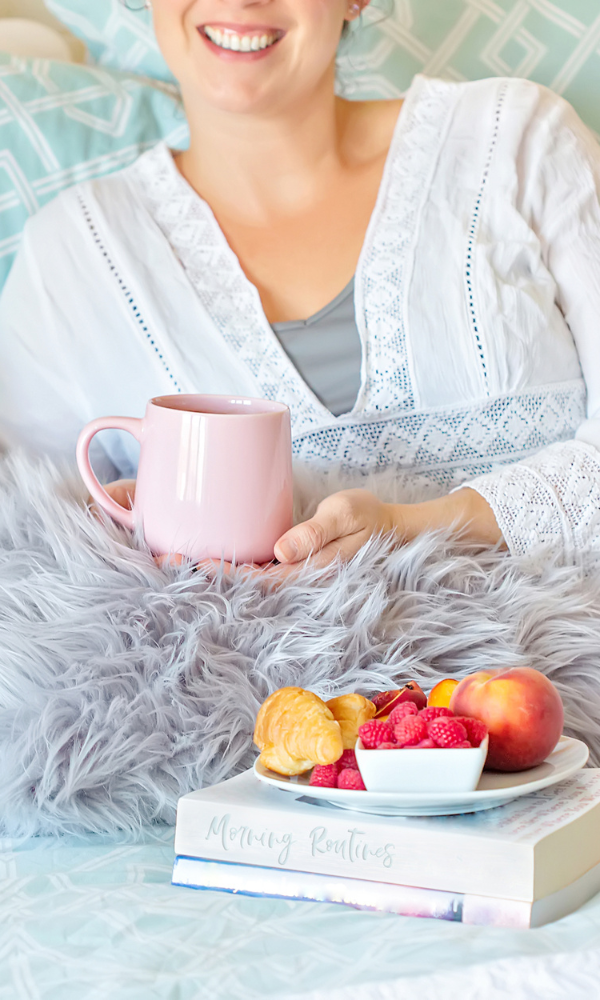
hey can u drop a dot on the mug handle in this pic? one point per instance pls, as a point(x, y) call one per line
point(131, 424)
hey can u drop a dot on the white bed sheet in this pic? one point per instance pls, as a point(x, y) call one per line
point(98, 920)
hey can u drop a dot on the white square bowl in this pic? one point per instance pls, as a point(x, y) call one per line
point(421, 770)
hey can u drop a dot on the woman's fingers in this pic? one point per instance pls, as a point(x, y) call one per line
point(122, 491)
point(340, 549)
point(214, 567)
point(335, 518)
point(172, 559)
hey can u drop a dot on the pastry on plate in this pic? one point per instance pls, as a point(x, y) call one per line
point(351, 710)
point(295, 730)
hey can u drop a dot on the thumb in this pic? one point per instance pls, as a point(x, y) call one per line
point(311, 536)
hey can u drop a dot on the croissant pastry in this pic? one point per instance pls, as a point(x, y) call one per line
point(351, 710)
point(295, 730)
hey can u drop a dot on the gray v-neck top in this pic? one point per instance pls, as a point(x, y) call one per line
point(327, 351)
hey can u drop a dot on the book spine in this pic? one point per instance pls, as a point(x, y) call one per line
point(336, 842)
point(410, 901)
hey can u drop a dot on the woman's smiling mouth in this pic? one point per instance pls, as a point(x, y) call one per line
point(241, 41)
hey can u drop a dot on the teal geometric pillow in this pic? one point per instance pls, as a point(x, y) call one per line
point(62, 123)
point(118, 34)
point(555, 42)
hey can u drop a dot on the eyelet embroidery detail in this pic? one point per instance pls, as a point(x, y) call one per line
point(443, 448)
point(230, 300)
point(125, 291)
point(385, 264)
point(548, 506)
point(473, 233)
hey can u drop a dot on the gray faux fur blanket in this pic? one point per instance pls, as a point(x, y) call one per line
point(123, 686)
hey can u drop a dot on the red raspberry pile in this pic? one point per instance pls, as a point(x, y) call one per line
point(431, 728)
point(343, 774)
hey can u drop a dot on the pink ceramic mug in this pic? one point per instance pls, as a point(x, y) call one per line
point(214, 477)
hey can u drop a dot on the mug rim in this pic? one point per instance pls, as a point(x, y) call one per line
point(274, 406)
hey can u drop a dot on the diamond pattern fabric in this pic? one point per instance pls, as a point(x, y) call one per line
point(118, 34)
point(61, 123)
point(554, 42)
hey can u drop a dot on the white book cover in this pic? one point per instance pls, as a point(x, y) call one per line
point(409, 901)
point(526, 849)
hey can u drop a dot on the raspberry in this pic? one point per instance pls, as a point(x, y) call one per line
point(388, 746)
point(348, 759)
point(401, 711)
point(374, 732)
point(435, 712)
point(410, 731)
point(324, 776)
point(447, 732)
point(427, 744)
point(350, 778)
point(462, 746)
point(476, 730)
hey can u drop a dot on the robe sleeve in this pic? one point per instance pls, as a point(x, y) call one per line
point(43, 400)
point(548, 506)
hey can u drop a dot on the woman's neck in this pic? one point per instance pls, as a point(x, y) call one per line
point(258, 167)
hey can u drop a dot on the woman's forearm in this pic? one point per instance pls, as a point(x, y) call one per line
point(465, 512)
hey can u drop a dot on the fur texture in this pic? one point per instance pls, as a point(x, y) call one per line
point(123, 686)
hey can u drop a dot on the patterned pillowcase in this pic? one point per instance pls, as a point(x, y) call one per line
point(554, 42)
point(118, 34)
point(62, 123)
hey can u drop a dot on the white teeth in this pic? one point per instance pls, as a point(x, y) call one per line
point(239, 43)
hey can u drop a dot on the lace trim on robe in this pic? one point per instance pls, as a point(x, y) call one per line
point(548, 505)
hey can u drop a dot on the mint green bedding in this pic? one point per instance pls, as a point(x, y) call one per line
point(99, 920)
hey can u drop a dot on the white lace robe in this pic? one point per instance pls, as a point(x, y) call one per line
point(477, 301)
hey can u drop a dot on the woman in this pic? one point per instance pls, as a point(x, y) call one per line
point(463, 224)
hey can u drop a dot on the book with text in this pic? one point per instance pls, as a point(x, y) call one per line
point(525, 850)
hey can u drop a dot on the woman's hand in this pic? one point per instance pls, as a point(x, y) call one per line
point(345, 521)
point(342, 524)
point(122, 492)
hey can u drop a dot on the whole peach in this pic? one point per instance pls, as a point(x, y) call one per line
point(522, 710)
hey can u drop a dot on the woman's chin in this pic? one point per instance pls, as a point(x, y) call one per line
point(234, 97)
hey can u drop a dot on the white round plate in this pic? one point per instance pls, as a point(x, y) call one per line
point(494, 788)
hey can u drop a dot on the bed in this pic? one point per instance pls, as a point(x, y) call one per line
point(93, 918)
point(96, 917)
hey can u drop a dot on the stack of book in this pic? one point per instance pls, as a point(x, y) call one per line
point(523, 864)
